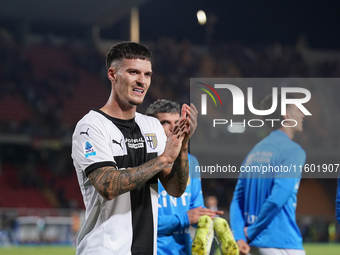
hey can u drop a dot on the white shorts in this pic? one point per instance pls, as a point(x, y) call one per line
point(275, 251)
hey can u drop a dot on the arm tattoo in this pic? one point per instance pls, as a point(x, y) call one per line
point(183, 169)
point(110, 182)
point(180, 170)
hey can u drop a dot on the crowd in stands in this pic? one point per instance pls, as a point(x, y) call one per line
point(46, 78)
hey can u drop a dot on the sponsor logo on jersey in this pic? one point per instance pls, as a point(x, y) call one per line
point(135, 143)
point(85, 133)
point(151, 140)
point(119, 143)
point(89, 150)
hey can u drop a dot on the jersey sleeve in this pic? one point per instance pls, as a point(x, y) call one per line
point(167, 224)
point(91, 147)
point(282, 190)
point(161, 136)
point(170, 221)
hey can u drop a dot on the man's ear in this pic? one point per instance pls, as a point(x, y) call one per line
point(287, 116)
point(111, 74)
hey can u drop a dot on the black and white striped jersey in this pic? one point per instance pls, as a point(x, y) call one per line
point(126, 224)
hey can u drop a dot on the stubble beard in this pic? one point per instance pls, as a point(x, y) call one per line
point(134, 103)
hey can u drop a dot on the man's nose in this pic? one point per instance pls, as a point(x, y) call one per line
point(141, 79)
point(171, 126)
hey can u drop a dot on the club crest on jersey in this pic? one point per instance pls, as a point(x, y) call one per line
point(151, 140)
point(89, 150)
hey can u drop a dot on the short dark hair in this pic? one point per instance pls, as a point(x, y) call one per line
point(128, 50)
point(266, 104)
point(163, 106)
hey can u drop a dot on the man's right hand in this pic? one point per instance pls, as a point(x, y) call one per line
point(243, 246)
point(196, 213)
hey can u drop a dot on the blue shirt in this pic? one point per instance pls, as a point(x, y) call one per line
point(173, 235)
point(337, 202)
point(266, 203)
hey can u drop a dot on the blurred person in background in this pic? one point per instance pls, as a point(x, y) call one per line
point(118, 155)
point(262, 212)
point(176, 215)
point(337, 202)
point(212, 202)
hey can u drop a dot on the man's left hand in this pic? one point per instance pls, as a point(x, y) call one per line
point(190, 113)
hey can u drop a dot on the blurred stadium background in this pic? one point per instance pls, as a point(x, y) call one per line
point(52, 72)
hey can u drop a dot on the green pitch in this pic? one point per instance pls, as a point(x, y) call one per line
point(311, 249)
point(37, 250)
point(322, 249)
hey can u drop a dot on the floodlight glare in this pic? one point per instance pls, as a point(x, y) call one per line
point(201, 17)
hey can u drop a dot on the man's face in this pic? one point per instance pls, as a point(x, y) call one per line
point(293, 112)
point(168, 120)
point(132, 81)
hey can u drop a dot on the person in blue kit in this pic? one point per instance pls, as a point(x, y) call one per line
point(262, 211)
point(175, 215)
point(337, 202)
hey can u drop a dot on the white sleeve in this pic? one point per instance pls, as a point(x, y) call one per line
point(91, 147)
point(162, 138)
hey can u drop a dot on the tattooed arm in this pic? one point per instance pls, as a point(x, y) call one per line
point(174, 177)
point(110, 182)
